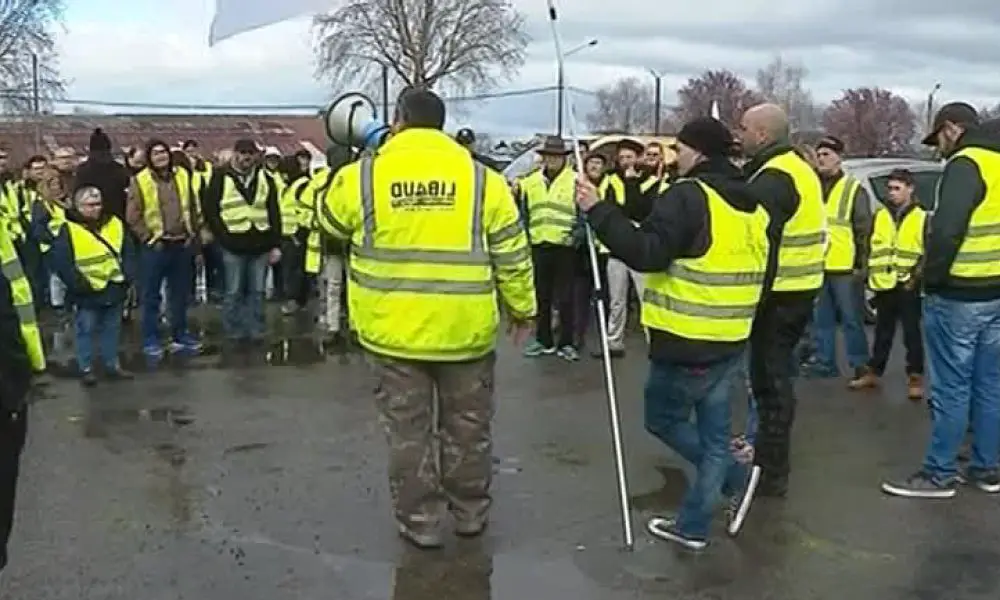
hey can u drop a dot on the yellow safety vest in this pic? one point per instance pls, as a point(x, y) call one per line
point(839, 208)
point(291, 217)
point(895, 250)
point(714, 297)
point(613, 182)
point(24, 305)
point(551, 208)
point(237, 214)
point(200, 179)
point(22, 201)
point(317, 187)
point(57, 218)
point(152, 214)
point(803, 240)
point(97, 255)
point(649, 184)
point(978, 260)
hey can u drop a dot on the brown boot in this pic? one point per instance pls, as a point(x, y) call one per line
point(866, 379)
point(915, 387)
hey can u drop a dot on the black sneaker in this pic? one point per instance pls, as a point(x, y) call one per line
point(920, 485)
point(666, 529)
point(88, 379)
point(739, 506)
point(987, 481)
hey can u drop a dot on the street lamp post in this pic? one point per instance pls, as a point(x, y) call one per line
point(561, 83)
point(930, 105)
point(657, 101)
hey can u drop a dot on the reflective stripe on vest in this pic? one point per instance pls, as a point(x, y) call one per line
point(803, 239)
point(551, 207)
point(839, 208)
point(291, 215)
point(648, 184)
point(24, 305)
point(978, 260)
point(713, 297)
point(317, 188)
point(152, 213)
point(895, 251)
point(92, 257)
point(237, 214)
point(57, 217)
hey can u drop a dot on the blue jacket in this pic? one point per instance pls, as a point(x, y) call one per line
point(63, 263)
point(40, 217)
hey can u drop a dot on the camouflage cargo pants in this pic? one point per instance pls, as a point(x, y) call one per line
point(437, 419)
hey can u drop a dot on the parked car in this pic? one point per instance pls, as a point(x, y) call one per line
point(873, 173)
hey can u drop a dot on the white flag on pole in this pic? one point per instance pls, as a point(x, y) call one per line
point(233, 17)
point(715, 110)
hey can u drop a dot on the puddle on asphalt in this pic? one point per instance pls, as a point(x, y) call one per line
point(667, 497)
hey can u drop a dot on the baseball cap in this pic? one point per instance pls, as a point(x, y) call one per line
point(246, 146)
point(958, 113)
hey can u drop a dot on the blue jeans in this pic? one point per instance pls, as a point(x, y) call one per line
point(173, 263)
point(214, 276)
point(839, 299)
point(672, 392)
point(105, 324)
point(243, 308)
point(963, 352)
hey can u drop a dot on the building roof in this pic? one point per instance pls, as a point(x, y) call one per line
point(288, 133)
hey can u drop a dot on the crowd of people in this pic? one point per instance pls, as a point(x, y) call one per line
point(734, 249)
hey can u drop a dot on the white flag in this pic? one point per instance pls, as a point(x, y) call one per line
point(233, 17)
point(715, 110)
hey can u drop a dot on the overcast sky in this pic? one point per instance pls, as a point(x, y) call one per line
point(157, 52)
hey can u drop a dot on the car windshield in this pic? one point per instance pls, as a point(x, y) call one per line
point(925, 187)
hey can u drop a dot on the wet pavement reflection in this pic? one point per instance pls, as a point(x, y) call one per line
point(264, 479)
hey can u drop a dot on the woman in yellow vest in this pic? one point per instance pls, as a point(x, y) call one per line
point(897, 249)
point(47, 217)
point(704, 250)
point(93, 255)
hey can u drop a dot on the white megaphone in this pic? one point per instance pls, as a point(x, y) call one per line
point(352, 121)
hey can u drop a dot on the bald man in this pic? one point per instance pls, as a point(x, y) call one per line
point(790, 190)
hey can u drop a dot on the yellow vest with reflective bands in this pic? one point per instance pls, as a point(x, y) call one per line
point(895, 250)
point(420, 274)
point(93, 258)
point(316, 188)
point(238, 215)
point(649, 184)
point(803, 240)
point(24, 200)
point(551, 208)
point(57, 219)
point(152, 215)
point(24, 305)
point(978, 259)
point(714, 297)
point(291, 217)
point(839, 208)
point(199, 179)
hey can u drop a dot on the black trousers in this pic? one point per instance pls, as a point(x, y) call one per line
point(293, 267)
point(781, 320)
point(892, 306)
point(555, 268)
point(13, 431)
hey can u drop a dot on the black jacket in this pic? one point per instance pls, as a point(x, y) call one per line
point(677, 227)
point(252, 242)
point(100, 170)
point(960, 192)
point(636, 205)
point(15, 365)
point(777, 193)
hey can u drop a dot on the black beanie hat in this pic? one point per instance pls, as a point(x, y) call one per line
point(831, 143)
point(99, 141)
point(708, 136)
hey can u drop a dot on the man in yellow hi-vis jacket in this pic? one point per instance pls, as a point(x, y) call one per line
point(435, 239)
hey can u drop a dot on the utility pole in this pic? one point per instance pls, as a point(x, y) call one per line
point(658, 100)
point(385, 94)
point(930, 106)
point(36, 101)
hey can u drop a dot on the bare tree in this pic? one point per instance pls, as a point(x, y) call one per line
point(464, 45)
point(781, 82)
point(625, 106)
point(27, 37)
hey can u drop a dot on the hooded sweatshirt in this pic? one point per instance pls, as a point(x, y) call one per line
point(677, 227)
point(102, 171)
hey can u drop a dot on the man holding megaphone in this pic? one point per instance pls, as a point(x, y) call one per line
point(434, 238)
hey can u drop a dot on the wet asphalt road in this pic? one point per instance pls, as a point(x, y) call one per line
point(267, 482)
